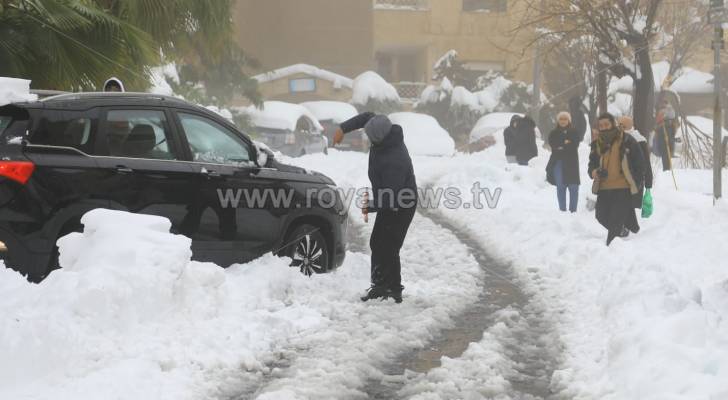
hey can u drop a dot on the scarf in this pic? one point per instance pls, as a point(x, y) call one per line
point(606, 138)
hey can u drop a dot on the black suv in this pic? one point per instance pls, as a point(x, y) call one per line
point(66, 155)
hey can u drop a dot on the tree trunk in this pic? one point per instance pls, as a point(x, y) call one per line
point(602, 88)
point(644, 92)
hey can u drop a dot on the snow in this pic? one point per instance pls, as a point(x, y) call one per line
point(704, 125)
point(492, 124)
point(423, 135)
point(159, 79)
point(14, 90)
point(465, 98)
point(644, 318)
point(339, 81)
point(334, 111)
point(689, 80)
point(370, 86)
point(280, 115)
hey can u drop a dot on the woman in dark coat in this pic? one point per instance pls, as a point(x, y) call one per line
point(562, 169)
point(524, 142)
point(509, 135)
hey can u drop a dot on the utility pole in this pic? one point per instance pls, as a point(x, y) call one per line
point(536, 101)
point(717, 17)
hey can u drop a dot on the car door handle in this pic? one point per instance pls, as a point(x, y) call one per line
point(210, 172)
point(122, 169)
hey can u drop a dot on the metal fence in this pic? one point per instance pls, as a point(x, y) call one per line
point(410, 91)
point(402, 4)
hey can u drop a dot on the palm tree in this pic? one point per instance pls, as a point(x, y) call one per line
point(77, 44)
point(71, 44)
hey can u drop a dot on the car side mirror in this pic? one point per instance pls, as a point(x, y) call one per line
point(263, 154)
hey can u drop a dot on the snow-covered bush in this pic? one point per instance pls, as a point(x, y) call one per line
point(373, 93)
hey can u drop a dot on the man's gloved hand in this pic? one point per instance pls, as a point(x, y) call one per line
point(338, 136)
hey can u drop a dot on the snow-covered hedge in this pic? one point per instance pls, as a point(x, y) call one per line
point(372, 93)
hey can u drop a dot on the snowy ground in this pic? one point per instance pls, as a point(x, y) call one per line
point(130, 316)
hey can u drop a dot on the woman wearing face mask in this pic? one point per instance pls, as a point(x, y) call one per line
point(562, 169)
point(617, 165)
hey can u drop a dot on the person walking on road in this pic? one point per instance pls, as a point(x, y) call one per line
point(509, 136)
point(617, 166)
point(666, 127)
point(394, 199)
point(627, 124)
point(524, 143)
point(562, 169)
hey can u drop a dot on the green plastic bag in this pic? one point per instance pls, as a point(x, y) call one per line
point(647, 204)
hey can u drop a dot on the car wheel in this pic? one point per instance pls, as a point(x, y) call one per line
point(308, 250)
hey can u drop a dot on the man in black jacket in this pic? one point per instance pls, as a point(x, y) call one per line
point(394, 199)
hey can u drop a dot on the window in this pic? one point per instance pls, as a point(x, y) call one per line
point(138, 134)
point(4, 123)
point(67, 129)
point(213, 143)
point(485, 5)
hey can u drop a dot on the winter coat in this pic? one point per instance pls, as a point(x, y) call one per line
point(390, 167)
point(649, 177)
point(524, 143)
point(509, 137)
point(568, 154)
point(633, 165)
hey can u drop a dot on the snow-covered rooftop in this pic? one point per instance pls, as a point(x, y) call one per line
point(338, 80)
point(279, 115)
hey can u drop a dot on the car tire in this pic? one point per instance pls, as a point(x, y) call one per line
point(308, 250)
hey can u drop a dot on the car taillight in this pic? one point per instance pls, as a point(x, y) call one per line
point(19, 171)
point(290, 138)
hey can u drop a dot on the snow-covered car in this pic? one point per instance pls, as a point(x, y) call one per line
point(423, 134)
point(289, 128)
point(332, 113)
point(489, 130)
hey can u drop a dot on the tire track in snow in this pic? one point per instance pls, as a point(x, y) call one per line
point(336, 362)
point(503, 312)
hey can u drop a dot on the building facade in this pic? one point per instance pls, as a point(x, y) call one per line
point(399, 39)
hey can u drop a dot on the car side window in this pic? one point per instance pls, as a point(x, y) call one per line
point(74, 129)
point(213, 143)
point(138, 134)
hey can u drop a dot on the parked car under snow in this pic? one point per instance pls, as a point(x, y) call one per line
point(289, 128)
point(332, 113)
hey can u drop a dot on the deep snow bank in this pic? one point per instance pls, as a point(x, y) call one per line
point(131, 317)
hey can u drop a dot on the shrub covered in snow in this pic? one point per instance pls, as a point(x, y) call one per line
point(373, 93)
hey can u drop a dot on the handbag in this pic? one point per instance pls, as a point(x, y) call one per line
point(647, 204)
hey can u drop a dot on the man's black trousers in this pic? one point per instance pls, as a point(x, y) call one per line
point(388, 235)
point(615, 212)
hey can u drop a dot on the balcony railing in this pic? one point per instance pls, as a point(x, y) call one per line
point(402, 4)
point(410, 91)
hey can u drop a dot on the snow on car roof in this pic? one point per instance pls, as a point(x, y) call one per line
point(334, 111)
point(14, 90)
point(423, 134)
point(338, 80)
point(280, 115)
